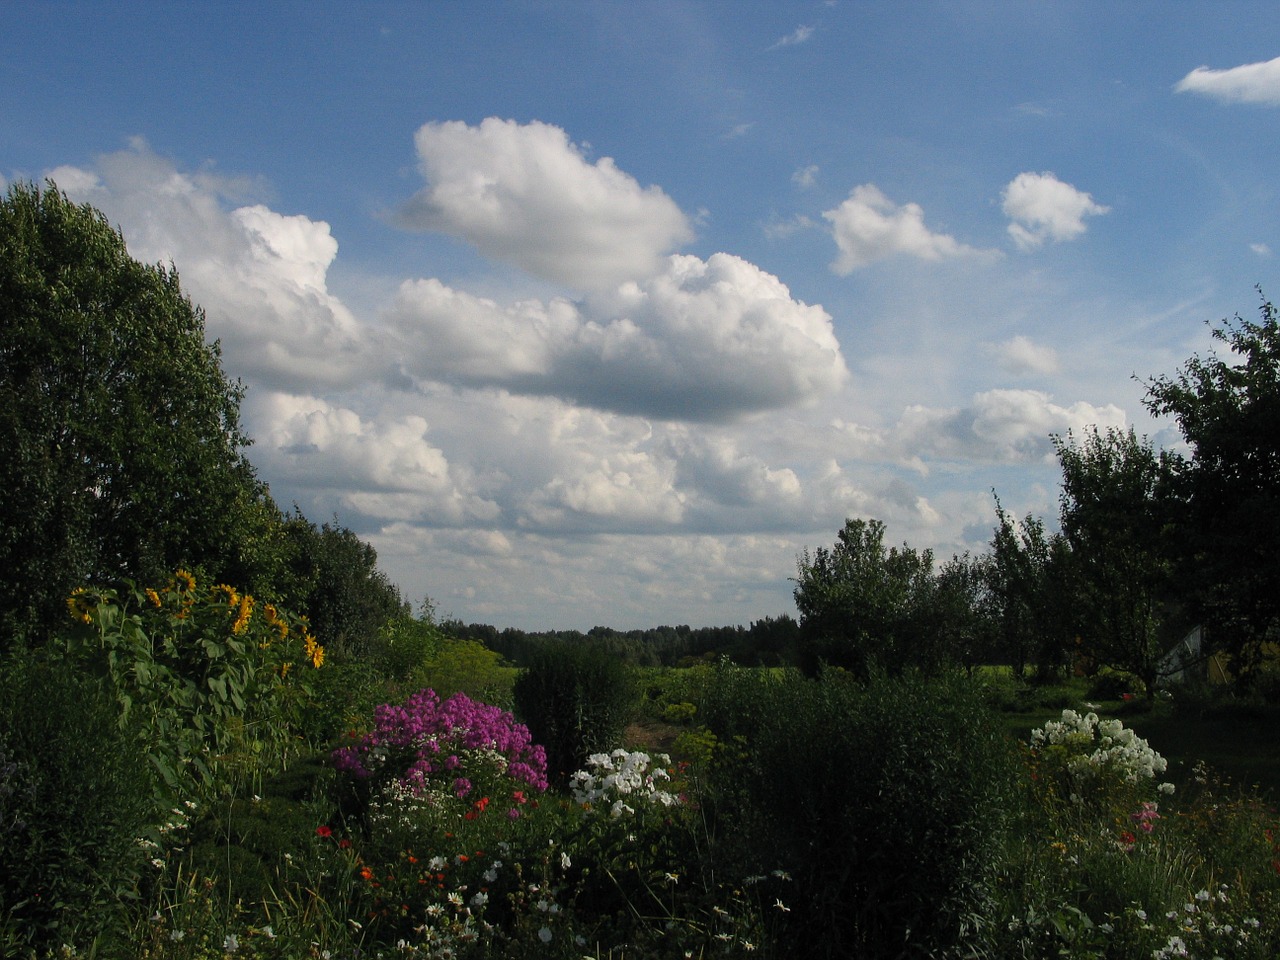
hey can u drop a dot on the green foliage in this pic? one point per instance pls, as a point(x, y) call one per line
point(207, 676)
point(334, 580)
point(75, 796)
point(1030, 595)
point(123, 451)
point(884, 801)
point(1193, 876)
point(1115, 518)
point(576, 700)
point(864, 607)
point(1226, 495)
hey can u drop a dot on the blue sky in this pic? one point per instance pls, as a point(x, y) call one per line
point(600, 313)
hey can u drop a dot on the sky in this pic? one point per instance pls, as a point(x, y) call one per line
point(601, 313)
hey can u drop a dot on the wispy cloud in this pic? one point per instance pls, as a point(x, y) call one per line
point(805, 177)
point(1021, 356)
point(1250, 83)
point(798, 36)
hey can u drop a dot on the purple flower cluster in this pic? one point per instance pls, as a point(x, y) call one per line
point(426, 735)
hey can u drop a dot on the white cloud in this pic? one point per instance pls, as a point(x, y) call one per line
point(796, 37)
point(1261, 249)
point(741, 130)
point(1009, 426)
point(524, 194)
point(868, 226)
point(260, 275)
point(998, 426)
point(1019, 355)
point(1044, 208)
point(805, 177)
point(384, 468)
point(1250, 83)
point(703, 340)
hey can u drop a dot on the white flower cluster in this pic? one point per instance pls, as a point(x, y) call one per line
point(621, 780)
point(1101, 745)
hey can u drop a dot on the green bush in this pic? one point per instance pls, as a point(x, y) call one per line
point(1111, 684)
point(75, 797)
point(885, 802)
point(576, 700)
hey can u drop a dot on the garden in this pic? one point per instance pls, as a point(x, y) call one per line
point(187, 773)
point(224, 734)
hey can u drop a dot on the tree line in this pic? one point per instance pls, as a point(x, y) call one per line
point(1148, 543)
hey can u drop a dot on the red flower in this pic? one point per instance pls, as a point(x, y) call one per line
point(344, 844)
point(324, 831)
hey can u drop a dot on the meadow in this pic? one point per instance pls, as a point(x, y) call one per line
point(189, 775)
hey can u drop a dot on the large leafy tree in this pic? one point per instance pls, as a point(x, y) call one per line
point(1115, 518)
point(1228, 489)
point(864, 606)
point(123, 449)
point(333, 577)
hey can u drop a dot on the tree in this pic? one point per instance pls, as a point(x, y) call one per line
point(334, 580)
point(1227, 493)
point(124, 454)
point(861, 605)
point(1029, 594)
point(1114, 516)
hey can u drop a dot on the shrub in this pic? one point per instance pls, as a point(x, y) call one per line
point(885, 802)
point(1114, 685)
point(576, 699)
point(452, 753)
point(1099, 767)
point(75, 797)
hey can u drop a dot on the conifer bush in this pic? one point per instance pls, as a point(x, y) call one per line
point(576, 700)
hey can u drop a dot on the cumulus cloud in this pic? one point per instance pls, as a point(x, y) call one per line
point(260, 275)
point(702, 341)
point(715, 469)
point(1021, 356)
point(1008, 426)
point(1042, 208)
point(383, 467)
point(1250, 83)
point(868, 226)
point(998, 426)
point(524, 194)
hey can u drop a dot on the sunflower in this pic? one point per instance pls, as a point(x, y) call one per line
point(243, 615)
point(80, 605)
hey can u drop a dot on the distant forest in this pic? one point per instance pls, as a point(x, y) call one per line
point(764, 643)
